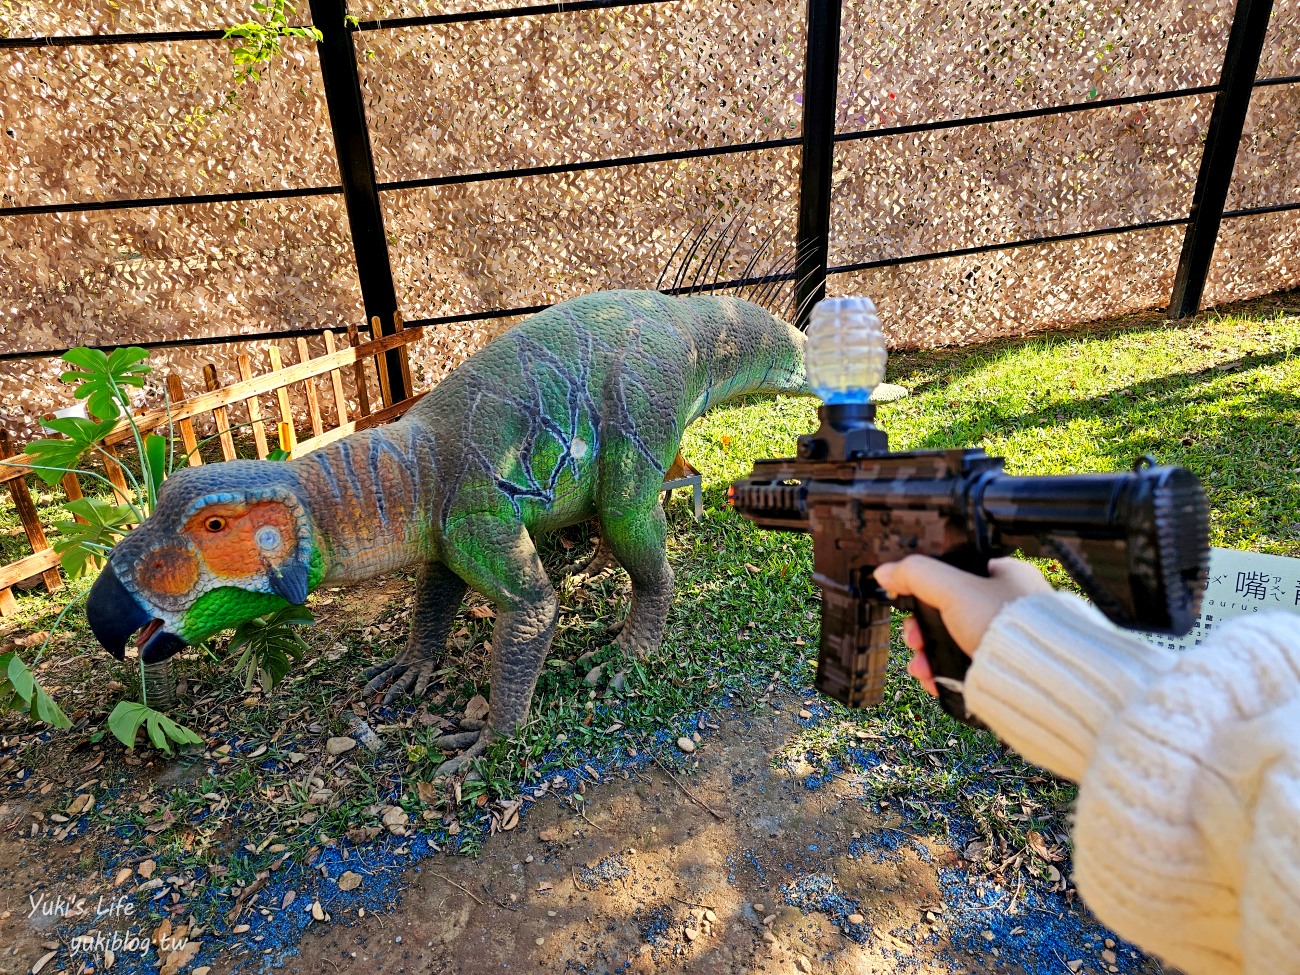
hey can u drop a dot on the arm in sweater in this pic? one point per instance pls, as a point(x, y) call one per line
point(1187, 836)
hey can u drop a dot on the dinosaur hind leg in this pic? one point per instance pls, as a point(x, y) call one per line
point(636, 537)
point(495, 555)
point(438, 594)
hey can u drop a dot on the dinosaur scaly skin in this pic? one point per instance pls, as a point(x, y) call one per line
point(574, 414)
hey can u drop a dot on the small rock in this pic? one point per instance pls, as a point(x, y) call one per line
point(349, 880)
point(317, 911)
point(805, 714)
point(1108, 957)
point(758, 908)
point(202, 970)
point(987, 935)
point(803, 964)
point(528, 859)
point(1074, 965)
point(686, 744)
point(1110, 942)
point(539, 941)
point(337, 746)
point(691, 934)
point(593, 675)
point(857, 919)
point(710, 916)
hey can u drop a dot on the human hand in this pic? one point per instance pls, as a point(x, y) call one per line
point(966, 602)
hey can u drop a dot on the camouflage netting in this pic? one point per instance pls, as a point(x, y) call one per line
point(117, 122)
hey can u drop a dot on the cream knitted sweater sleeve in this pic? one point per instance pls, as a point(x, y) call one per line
point(1187, 834)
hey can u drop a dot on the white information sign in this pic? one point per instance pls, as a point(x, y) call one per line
point(1240, 583)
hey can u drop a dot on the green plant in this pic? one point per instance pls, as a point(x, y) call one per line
point(260, 40)
point(102, 382)
point(17, 683)
point(270, 646)
point(128, 716)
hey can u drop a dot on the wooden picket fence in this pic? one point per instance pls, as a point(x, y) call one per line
point(349, 371)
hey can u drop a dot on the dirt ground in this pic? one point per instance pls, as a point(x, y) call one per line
point(665, 872)
point(659, 871)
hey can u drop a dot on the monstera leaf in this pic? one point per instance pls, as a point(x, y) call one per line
point(270, 645)
point(52, 457)
point(21, 691)
point(128, 716)
point(102, 378)
point(103, 523)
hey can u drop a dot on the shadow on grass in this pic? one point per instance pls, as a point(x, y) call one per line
point(943, 366)
point(1171, 395)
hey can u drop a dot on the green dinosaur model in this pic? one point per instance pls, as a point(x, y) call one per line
point(573, 414)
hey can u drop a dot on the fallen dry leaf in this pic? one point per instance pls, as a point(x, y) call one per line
point(349, 880)
point(477, 708)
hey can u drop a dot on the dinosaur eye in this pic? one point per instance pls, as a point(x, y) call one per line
point(268, 538)
point(215, 524)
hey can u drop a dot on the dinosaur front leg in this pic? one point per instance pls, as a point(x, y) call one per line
point(438, 595)
point(495, 555)
point(637, 540)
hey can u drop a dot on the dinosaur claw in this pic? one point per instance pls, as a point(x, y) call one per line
point(399, 675)
point(454, 765)
point(400, 686)
point(457, 741)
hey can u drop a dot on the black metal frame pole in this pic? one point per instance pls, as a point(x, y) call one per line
point(821, 75)
point(338, 66)
point(1228, 118)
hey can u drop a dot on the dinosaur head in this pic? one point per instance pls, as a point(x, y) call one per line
point(226, 543)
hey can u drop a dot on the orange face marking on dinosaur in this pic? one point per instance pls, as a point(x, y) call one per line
point(240, 540)
point(169, 569)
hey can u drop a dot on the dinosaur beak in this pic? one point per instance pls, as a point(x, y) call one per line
point(115, 615)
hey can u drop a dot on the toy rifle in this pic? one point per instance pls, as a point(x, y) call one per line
point(1137, 542)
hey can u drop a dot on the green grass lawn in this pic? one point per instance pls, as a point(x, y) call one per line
point(1218, 394)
